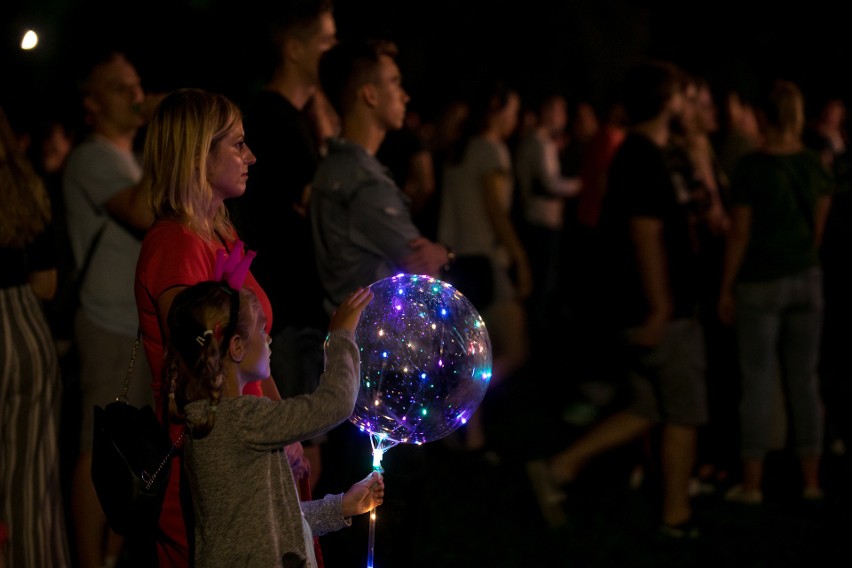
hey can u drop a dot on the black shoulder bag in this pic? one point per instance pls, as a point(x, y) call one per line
point(131, 461)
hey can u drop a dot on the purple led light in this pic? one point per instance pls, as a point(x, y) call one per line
point(424, 372)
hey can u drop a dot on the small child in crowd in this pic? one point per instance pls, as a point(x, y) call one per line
point(247, 510)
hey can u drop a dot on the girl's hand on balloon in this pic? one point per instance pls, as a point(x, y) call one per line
point(364, 496)
point(349, 312)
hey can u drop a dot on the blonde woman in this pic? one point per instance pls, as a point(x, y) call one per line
point(772, 288)
point(30, 501)
point(195, 158)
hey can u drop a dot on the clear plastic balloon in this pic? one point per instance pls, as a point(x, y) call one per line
point(425, 360)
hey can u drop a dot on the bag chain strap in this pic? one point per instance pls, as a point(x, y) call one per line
point(129, 375)
point(149, 479)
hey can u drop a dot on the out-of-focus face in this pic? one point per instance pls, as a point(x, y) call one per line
point(321, 40)
point(507, 117)
point(705, 111)
point(114, 96)
point(834, 114)
point(585, 121)
point(734, 108)
point(799, 121)
point(391, 97)
point(748, 122)
point(679, 104)
point(554, 116)
point(55, 148)
point(228, 164)
point(740, 116)
point(688, 117)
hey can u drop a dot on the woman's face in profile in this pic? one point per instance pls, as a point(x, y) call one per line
point(508, 115)
point(228, 164)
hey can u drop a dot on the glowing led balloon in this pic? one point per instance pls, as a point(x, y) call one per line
point(425, 361)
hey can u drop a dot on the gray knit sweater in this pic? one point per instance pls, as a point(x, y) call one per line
point(247, 508)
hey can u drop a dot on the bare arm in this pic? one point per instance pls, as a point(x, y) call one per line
point(421, 183)
point(567, 186)
point(164, 304)
point(735, 248)
point(647, 236)
point(43, 283)
point(130, 207)
point(823, 205)
point(549, 172)
point(493, 187)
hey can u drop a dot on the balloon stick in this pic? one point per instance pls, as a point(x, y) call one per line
point(380, 444)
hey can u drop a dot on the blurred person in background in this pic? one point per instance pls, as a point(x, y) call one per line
point(32, 521)
point(772, 288)
point(107, 214)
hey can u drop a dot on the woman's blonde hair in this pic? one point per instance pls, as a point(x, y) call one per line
point(783, 108)
point(25, 211)
point(202, 321)
point(185, 129)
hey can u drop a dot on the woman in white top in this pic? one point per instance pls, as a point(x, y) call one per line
point(475, 221)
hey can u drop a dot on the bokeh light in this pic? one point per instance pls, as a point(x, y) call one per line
point(29, 40)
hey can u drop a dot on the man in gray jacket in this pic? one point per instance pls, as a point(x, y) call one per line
point(360, 218)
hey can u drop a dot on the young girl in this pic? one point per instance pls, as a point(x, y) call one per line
point(247, 510)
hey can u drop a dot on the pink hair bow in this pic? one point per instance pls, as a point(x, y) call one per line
point(233, 267)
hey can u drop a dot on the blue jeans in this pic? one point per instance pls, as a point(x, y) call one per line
point(779, 324)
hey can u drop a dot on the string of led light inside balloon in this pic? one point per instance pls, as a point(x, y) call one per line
point(380, 444)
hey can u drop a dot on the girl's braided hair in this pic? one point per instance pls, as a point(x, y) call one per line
point(202, 320)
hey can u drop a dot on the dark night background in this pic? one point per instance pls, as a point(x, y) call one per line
point(442, 509)
point(579, 46)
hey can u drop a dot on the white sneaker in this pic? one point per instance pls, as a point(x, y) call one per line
point(812, 494)
point(548, 494)
point(737, 494)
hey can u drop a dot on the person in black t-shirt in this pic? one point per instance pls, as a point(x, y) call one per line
point(272, 214)
point(650, 298)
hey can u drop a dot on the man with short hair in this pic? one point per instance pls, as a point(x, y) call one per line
point(107, 214)
point(361, 219)
point(272, 214)
point(649, 294)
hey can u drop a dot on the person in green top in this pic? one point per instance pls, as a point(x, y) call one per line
point(772, 288)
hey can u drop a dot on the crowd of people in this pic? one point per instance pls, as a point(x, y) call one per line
point(676, 253)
